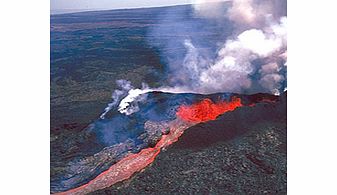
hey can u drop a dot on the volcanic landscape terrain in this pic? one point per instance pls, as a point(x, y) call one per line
point(173, 143)
point(91, 50)
point(241, 152)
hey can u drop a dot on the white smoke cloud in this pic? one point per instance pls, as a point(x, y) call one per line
point(269, 68)
point(209, 8)
point(242, 11)
point(260, 35)
point(124, 86)
point(257, 42)
point(272, 81)
point(231, 70)
point(129, 104)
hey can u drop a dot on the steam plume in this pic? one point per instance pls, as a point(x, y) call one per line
point(260, 35)
point(124, 86)
point(251, 59)
point(129, 104)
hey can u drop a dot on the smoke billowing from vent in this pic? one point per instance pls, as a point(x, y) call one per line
point(129, 104)
point(124, 87)
point(127, 97)
point(233, 67)
point(251, 59)
point(256, 48)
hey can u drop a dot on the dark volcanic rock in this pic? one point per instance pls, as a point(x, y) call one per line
point(79, 156)
point(242, 152)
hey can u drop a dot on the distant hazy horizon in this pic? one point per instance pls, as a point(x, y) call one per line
point(66, 6)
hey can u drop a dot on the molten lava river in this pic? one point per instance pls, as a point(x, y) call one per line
point(187, 116)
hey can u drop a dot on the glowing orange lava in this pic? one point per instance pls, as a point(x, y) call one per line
point(206, 110)
point(187, 116)
point(132, 163)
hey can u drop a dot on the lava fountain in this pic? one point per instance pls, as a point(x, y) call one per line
point(206, 110)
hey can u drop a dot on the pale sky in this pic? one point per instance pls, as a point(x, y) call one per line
point(110, 4)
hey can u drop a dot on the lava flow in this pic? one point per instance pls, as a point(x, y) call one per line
point(132, 163)
point(187, 116)
point(207, 110)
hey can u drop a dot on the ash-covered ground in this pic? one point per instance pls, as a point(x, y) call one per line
point(241, 152)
